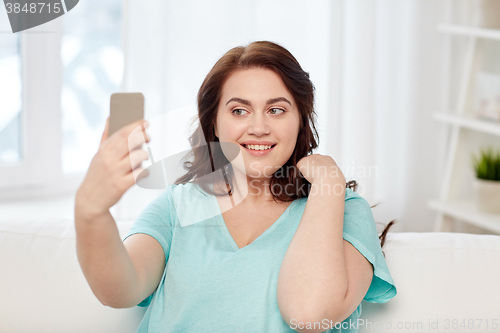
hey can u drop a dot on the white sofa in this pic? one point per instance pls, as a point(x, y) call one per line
point(439, 277)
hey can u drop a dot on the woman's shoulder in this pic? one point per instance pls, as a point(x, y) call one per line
point(349, 194)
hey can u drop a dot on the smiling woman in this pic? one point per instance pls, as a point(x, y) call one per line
point(253, 81)
point(264, 120)
point(260, 234)
point(237, 243)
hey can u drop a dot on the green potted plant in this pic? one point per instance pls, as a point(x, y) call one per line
point(487, 182)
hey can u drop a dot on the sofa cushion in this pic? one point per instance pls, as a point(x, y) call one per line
point(447, 282)
point(439, 276)
point(42, 286)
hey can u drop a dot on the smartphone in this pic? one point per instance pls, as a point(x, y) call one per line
point(125, 108)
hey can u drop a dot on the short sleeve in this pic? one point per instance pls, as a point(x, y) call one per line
point(360, 230)
point(156, 220)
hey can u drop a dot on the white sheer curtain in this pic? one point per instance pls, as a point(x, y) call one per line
point(376, 66)
point(387, 83)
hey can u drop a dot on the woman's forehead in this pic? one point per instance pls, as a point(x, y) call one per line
point(255, 84)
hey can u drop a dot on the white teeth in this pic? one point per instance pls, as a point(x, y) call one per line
point(258, 147)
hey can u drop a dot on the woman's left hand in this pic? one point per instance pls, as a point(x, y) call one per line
point(316, 167)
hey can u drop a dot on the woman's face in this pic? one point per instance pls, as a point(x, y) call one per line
point(257, 112)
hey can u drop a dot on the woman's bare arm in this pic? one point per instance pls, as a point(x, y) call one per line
point(119, 276)
point(322, 277)
point(313, 274)
point(105, 262)
point(149, 261)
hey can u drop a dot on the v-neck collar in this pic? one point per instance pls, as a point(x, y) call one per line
point(225, 230)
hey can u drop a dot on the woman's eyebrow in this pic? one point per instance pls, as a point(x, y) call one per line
point(241, 100)
point(247, 102)
point(279, 99)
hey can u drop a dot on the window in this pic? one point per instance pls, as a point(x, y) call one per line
point(55, 84)
point(92, 61)
point(10, 95)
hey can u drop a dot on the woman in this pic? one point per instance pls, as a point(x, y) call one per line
point(243, 241)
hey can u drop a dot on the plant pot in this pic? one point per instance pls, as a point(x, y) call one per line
point(488, 13)
point(487, 195)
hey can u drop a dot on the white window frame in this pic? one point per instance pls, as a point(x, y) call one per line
point(39, 173)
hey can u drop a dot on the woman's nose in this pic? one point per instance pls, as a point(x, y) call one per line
point(258, 125)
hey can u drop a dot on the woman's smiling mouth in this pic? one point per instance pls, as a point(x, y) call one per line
point(258, 148)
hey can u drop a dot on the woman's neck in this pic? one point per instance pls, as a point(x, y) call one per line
point(252, 190)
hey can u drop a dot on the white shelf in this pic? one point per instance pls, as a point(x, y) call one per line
point(460, 143)
point(465, 210)
point(485, 126)
point(470, 31)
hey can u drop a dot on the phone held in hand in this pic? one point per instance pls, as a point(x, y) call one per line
point(125, 108)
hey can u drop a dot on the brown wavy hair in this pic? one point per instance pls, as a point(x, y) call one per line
point(206, 155)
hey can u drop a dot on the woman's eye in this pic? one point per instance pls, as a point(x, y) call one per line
point(276, 111)
point(238, 112)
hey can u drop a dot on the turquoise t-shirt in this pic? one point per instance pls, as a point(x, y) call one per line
point(211, 285)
